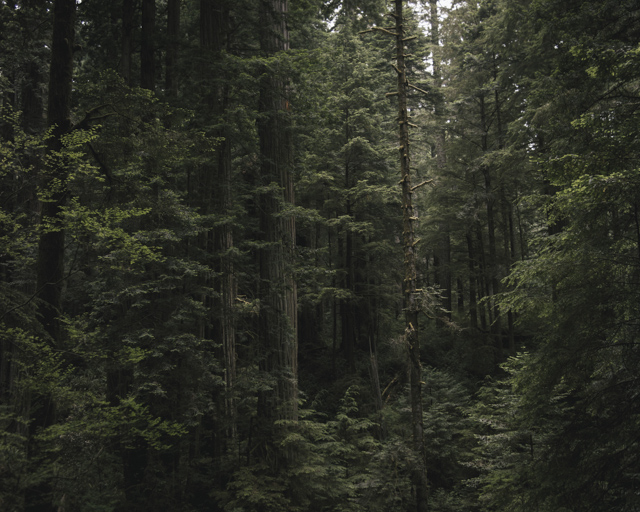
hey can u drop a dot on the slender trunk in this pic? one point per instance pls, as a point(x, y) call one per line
point(446, 279)
point(347, 306)
point(375, 385)
point(171, 58)
point(347, 313)
point(493, 279)
point(446, 271)
point(334, 301)
point(483, 288)
point(507, 217)
point(128, 10)
point(473, 304)
point(521, 235)
point(509, 253)
point(410, 294)
point(32, 105)
point(8, 98)
point(636, 218)
point(147, 46)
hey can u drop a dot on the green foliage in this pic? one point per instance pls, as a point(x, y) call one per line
point(325, 469)
point(154, 386)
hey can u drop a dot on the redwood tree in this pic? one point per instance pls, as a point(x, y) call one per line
point(277, 288)
point(50, 261)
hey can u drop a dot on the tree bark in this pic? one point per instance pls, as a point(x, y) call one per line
point(278, 312)
point(509, 256)
point(347, 307)
point(127, 40)
point(214, 29)
point(493, 279)
point(483, 287)
point(147, 46)
point(473, 302)
point(410, 293)
point(50, 259)
point(445, 279)
point(50, 262)
point(171, 58)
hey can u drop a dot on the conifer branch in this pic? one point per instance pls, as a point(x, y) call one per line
point(427, 182)
point(381, 29)
point(419, 90)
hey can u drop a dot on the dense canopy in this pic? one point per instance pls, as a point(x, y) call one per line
point(319, 256)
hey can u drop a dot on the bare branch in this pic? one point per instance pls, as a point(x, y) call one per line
point(427, 182)
point(419, 90)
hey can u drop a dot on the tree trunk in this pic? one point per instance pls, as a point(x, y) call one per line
point(278, 297)
point(473, 303)
point(410, 293)
point(509, 256)
point(445, 279)
point(347, 307)
point(50, 262)
point(50, 259)
point(147, 46)
point(483, 287)
point(32, 104)
point(128, 11)
point(217, 199)
point(171, 58)
point(493, 278)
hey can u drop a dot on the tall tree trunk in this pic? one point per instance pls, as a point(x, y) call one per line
point(147, 46)
point(50, 259)
point(445, 279)
point(50, 262)
point(509, 256)
point(493, 279)
point(214, 21)
point(135, 455)
point(128, 11)
point(347, 306)
point(171, 57)
point(410, 293)
point(278, 311)
point(483, 287)
point(473, 278)
point(460, 296)
point(32, 105)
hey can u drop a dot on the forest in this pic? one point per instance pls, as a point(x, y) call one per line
point(320, 256)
